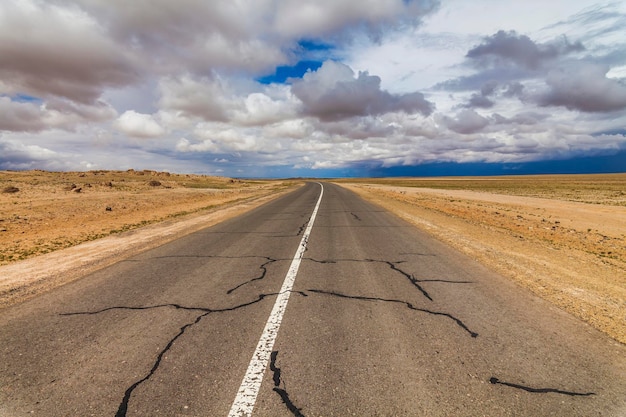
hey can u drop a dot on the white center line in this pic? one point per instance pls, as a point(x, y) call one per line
point(249, 389)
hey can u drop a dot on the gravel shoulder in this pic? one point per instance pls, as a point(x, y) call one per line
point(570, 253)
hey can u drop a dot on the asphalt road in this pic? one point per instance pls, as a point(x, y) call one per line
point(381, 320)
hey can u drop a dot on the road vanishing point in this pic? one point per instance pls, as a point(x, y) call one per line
point(317, 303)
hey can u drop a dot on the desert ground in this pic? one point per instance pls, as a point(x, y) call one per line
point(57, 226)
point(562, 237)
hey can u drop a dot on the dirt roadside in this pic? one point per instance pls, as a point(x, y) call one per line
point(570, 253)
point(51, 235)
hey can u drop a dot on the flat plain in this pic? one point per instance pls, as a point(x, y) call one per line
point(44, 211)
point(561, 236)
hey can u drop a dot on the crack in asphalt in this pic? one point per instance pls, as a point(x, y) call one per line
point(282, 392)
point(278, 379)
point(356, 217)
point(123, 406)
point(495, 381)
point(391, 300)
point(263, 268)
point(394, 266)
point(410, 277)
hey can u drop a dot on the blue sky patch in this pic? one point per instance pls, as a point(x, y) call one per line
point(284, 73)
point(25, 98)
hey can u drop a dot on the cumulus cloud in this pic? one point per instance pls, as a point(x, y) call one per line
point(15, 155)
point(505, 61)
point(491, 91)
point(47, 50)
point(272, 104)
point(19, 116)
point(15, 116)
point(216, 99)
point(480, 101)
point(504, 47)
point(206, 98)
point(292, 129)
point(584, 87)
point(138, 125)
point(465, 122)
point(249, 35)
point(545, 74)
point(333, 93)
point(360, 129)
point(218, 138)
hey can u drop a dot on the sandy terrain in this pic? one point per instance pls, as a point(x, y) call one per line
point(51, 234)
point(571, 253)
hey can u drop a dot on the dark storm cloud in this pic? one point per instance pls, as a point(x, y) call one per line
point(510, 47)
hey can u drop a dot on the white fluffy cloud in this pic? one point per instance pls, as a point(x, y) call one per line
point(139, 125)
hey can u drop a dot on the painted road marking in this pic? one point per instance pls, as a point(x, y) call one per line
point(249, 389)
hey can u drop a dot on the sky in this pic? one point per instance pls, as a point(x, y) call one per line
point(325, 88)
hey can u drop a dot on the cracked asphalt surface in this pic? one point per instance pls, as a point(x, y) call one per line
point(382, 321)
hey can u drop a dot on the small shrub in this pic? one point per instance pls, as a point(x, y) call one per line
point(10, 190)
